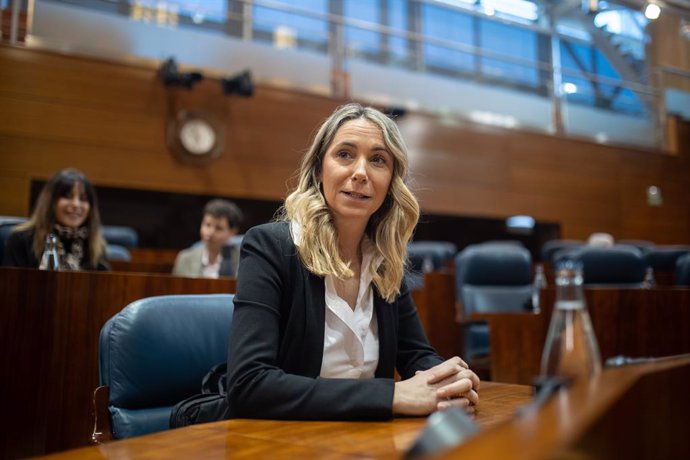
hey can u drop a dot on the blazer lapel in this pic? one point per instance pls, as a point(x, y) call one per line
point(385, 317)
point(315, 321)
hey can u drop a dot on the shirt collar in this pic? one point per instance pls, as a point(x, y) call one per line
point(204, 257)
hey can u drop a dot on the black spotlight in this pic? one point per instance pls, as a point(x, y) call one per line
point(241, 84)
point(395, 112)
point(171, 76)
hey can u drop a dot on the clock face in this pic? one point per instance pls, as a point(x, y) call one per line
point(197, 136)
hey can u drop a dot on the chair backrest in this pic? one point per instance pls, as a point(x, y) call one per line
point(120, 235)
point(155, 353)
point(493, 278)
point(7, 223)
point(552, 247)
point(642, 245)
point(427, 256)
point(117, 252)
point(438, 253)
point(663, 258)
point(683, 270)
point(619, 265)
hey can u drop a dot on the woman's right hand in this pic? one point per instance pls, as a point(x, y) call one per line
point(434, 388)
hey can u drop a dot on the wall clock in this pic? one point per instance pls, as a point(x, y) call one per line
point(195, 137)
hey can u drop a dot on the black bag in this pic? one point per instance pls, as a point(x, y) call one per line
point(209, 406)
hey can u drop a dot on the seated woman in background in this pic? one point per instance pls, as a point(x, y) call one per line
point(322, 316)
point(67, 207)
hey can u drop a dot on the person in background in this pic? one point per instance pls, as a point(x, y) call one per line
point(213, 258)
point(600, 240)
point(323, 317)
point(68, 208)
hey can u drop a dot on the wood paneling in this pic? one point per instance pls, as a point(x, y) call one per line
point(109, 120)
point(49, 328)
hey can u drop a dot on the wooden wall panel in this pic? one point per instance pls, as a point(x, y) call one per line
point(667, 48)
point(109, 119)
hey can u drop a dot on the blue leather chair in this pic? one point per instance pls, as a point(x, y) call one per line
point(152, 355)
point(643, 245)
point(619, 265)
point(490, 278)
point(117, 252)
point(427, 256)
point(683, 270)
point(551, 248)
point(7, 223)
point(663, 258)
point(121, 236)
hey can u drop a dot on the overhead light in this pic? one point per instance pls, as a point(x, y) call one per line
point(652, 11)
point(569, 88)
point(520, 225)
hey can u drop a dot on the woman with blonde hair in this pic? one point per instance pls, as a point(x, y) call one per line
point(323, 317)
point(66, 207)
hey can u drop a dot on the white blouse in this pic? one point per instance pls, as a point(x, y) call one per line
point(351, 338)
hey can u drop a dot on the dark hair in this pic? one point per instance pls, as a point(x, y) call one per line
point(43, 217)
point(219, 209)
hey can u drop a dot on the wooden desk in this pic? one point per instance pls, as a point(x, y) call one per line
point(634, 412)
point(436, 308)
point(147, 261)
point(49, 328)
point(278, 439)
point(630, 322)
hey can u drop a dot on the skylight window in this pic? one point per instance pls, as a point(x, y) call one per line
point(521, 9)
point(622, 22)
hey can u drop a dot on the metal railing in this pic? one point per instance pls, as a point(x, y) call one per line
point(547, 81)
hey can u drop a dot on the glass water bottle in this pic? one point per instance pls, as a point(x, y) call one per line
point(538, 284)
point(50, 259)
point(571, 348)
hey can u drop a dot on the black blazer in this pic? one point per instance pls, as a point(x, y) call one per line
point(276, 340)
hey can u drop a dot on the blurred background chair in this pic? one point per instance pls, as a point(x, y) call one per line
point(490, 278)
point(7, 223)
point(427, 256)
point(152, 355)
point(508, 242)
point(121, 236)
point(117, 252)
point(643, 245)
point(619, 265)
point(663, 258)
point(551, 247)
point(683, 270)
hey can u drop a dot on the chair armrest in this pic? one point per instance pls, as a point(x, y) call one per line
point(102, 427)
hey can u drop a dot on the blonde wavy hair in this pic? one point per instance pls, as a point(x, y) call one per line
point(390, 227)
point(43, 218)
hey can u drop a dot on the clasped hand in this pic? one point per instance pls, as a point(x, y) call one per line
point(449, 384)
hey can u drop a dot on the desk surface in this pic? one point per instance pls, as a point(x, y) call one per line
point(271, 438)
point(631, 412)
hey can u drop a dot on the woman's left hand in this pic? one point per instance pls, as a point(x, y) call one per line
point(456, 385)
